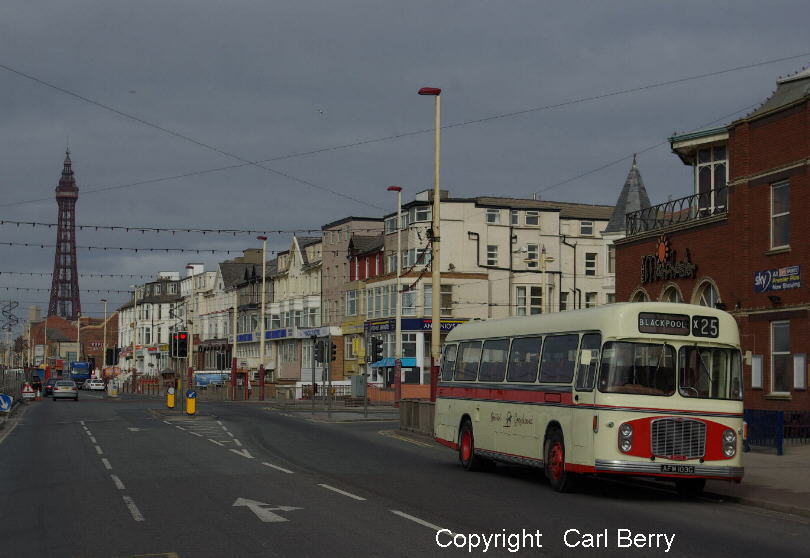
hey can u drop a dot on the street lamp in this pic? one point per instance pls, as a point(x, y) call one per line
point(190, 330)
point(134, 328)
point(104, 353)
point(398, 328)
point(261, 318)
point(436, 278)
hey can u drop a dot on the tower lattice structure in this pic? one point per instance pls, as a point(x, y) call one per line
point(65, 285)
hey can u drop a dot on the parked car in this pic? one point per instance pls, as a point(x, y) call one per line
point(47, 387)
point(94, 385)
point(65, 389)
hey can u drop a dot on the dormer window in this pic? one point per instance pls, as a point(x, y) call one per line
point(710, 177)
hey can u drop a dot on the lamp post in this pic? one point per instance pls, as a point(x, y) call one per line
point(544, 258)
point(233, 345)
point(134, 324)
point(190, 330)
point(261, 317)
point(436, 278)
point(78, 338)
point(104, 350)
point(398, 328)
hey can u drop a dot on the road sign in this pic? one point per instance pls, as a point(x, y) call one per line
point(28, 392)
point(265, 514)
point(5, 402)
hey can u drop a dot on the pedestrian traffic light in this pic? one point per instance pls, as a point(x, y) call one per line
point(333, 353)
point(179, 345)
point(376, 349)
point(319, 352)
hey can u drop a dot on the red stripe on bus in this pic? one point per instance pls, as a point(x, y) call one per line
point(662, 410)
point(448, 443)
point(524, 396)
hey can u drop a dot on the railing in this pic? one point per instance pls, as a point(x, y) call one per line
point(683, 210)
point(774, 429)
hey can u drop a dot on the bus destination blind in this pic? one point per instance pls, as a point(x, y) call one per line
point(669, 324)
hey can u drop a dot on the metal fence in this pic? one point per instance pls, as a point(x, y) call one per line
point(690, 208)
point(775, 429)
point(11, 382)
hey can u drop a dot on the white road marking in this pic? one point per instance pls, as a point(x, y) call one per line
point(118, 484)
point(98, 450)
point(134, 429)
point(282, 469)
point(339, 491)
point(243, 453)
point(196, 434)
point(219, 422)
point(81, 422)
point(88, 432)
point(133, 509)
point(92, 439)
point(237, 442)
point(217, 443)
point(180, 427)
point(106, 463)
point(224, 428)
point(417, 520)
point(167, 422)
point(264, 514)
point(229, 434)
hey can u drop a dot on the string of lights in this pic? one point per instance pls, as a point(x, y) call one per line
point(84, 275)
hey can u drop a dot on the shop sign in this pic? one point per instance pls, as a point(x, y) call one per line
point(244, 337)
point(778, 279)
point(276, 333)
point(164, 348)
point(662, 265)
point(410, 324)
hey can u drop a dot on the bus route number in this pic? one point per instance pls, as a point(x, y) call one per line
point(705, 326)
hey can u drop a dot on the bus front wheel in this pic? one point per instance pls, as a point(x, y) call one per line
point(560, 479)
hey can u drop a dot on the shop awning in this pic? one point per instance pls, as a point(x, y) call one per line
point(389, 362)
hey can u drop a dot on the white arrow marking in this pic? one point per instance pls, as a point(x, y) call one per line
point(134, 429)
point(265, 514)
point(243, 453)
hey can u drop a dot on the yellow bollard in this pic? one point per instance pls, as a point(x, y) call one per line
point(170, 398)
point(191, 402)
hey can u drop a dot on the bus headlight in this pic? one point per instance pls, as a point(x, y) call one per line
point(729, 442)
point(625, 437)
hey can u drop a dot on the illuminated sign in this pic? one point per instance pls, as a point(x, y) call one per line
point(662, 264)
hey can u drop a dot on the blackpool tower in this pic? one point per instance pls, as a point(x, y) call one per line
point(65, 286)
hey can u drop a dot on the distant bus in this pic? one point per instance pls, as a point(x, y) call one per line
point(79, 372)
point(651, 389)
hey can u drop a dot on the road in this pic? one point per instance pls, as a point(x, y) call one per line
point(100, 479)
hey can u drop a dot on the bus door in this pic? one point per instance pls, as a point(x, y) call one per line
point(584, 397)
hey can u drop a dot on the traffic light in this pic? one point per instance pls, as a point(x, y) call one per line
point(333, 353)
point(376, 349)
point(179, 345)
point(319, 351)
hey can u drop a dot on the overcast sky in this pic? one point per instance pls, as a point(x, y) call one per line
point(263, 80)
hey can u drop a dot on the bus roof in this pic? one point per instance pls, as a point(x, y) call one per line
point(619, 320)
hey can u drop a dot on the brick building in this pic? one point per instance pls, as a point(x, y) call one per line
point(739, 242)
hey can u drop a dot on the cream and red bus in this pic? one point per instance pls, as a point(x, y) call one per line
point(644, 388)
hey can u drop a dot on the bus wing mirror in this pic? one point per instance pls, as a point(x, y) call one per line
point(585, 357)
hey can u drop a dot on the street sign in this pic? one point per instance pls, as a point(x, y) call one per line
point(28, 392)
point(5, 402)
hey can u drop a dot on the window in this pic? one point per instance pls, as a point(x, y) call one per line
point(419, 213)
point(532, 218)
point(147, 335)
point(348, 347)
point(559, 357)
point(408, 345)
point(563, 301)
point(492, 254)
point(637, 368)
point(707, 295)
point(590, 264)
point(528, 300)
point(467, 365)
point(532, 255)
point(611, 267)
point(288, 351)
point(523, 359)
point(586, 374)
point(590, 299)
point(610, 298)
point(780, 215)
point(449, 362)
point(409, 303)
point(392, 263)
point(640, 296)
point(781, 364)
point(275, 321)
point(672, 294)
point(446, 300)
point(514, 217)
point(711, 178)
point(351, 303)
point(493, 360)
point(709, 373)
point(493, 216)
point(586, 228)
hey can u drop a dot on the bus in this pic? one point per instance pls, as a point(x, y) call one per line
point(648, 389)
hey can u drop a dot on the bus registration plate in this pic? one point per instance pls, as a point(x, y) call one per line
point(682, 469)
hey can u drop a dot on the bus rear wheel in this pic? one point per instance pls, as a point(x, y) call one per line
point(466, 448)
point(560, 479)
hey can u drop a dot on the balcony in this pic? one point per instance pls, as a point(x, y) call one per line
point(691, 210)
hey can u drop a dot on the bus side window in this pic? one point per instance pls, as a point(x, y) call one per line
point(449, 362)
point(557, 364)
point(493, 360)
point(586, 373)
point(523, 359)
point(467, 361)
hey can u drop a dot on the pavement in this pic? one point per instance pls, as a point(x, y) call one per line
point(778, 483)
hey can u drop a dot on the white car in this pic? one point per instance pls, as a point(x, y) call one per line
point(94, 385)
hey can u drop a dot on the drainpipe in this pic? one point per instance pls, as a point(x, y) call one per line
point(577, 304)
